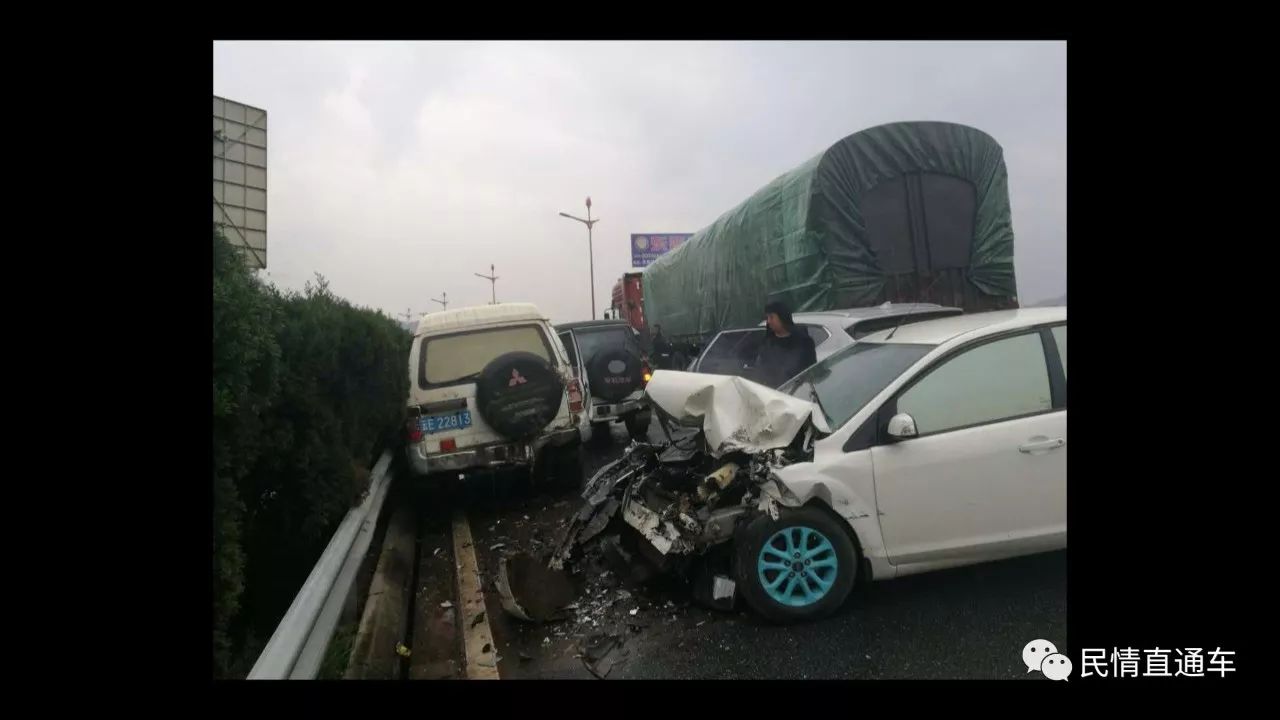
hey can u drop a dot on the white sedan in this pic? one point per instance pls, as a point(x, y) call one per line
point(947, 446)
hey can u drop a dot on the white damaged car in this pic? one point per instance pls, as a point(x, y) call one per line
point(927, 446)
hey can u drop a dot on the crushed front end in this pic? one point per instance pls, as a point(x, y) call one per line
point(675, 506)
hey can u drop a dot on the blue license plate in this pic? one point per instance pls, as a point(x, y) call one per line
point(440, 423)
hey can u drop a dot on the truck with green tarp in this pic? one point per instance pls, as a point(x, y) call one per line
point(905, 212)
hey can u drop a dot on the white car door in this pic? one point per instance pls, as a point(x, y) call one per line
point(986, 475)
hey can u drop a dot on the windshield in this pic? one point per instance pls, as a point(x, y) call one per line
point(843, 383)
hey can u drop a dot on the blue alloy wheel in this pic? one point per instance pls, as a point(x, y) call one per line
point(797, 566)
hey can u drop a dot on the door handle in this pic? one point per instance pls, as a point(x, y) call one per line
point(1041, 444)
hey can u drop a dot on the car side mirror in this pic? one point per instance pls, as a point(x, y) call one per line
point(902, 427)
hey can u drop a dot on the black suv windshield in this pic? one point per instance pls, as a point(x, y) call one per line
point(846, 381)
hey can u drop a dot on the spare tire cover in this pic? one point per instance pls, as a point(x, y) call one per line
point(614, 374)
point(518, 394)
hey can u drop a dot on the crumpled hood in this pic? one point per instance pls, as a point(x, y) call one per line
point(735, 414)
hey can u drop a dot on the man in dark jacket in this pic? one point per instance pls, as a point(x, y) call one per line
point(786, 349)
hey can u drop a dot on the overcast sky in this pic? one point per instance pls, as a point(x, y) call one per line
point(397, 170)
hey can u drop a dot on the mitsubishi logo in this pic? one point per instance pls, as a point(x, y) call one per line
point(516, 379)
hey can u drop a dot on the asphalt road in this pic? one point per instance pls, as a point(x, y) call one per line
point(966, 623)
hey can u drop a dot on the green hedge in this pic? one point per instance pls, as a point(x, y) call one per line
point(307, 391)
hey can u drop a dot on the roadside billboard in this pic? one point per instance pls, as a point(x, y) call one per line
point(240, 177)
point(647, 247)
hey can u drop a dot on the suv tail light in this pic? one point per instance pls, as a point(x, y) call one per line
point(448, 445)
point(412, 431)
point(575, 396)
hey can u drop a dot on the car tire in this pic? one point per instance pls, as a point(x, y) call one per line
point(773, 592)
point(614, 374)
point(638, 425)
point(518, 394)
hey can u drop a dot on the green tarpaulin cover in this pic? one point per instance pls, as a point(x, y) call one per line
point(915, 211)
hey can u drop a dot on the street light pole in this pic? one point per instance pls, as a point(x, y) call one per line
point(493, 281)
point(444, 303)
point(590, 252)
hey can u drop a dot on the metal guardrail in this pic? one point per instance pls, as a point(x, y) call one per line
point(299, 642)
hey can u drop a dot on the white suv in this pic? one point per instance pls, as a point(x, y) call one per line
point(492, 386)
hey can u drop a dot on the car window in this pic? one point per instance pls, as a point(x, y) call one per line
point(818, 333)
point(995, 381)
point(723, 344)
point(460, 357)
point(591, 342)
point(571, 349)
point(730, 350)
point(849, 379)
point(1060, 338)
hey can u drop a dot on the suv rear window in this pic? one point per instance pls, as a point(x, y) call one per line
point(593, 341)
point(458, 358)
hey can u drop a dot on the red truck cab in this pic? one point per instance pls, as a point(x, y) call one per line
point(628, 302)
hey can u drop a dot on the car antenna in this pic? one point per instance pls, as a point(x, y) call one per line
point(904, 315)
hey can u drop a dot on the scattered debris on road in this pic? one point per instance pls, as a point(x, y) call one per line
point(601, 652)
point(542, 592)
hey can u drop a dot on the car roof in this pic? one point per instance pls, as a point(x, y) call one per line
point(886, 310)
point(584, 324)
point(843, 316)
point(469, 317)
point(940, 330)
point(864, 313)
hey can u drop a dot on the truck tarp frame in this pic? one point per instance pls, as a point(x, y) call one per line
point(803, 238)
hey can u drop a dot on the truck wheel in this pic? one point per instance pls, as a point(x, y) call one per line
point(796, 568)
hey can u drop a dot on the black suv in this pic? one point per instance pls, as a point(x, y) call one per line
point(607, 357)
